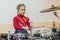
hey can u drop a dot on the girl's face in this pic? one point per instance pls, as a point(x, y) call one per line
point(22, 10)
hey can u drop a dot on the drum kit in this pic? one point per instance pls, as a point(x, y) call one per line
point(53, 8)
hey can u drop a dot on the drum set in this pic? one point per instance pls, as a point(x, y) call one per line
point(39, 34)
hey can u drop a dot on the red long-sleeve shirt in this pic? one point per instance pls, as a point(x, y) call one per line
point(19, 21)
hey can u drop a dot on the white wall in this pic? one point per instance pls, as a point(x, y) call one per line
point(8, 10)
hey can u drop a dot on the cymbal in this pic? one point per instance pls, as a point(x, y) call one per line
point(50, 9)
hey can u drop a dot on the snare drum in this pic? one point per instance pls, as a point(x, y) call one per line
point(21, 36)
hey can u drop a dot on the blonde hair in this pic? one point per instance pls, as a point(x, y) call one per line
point(19, 5)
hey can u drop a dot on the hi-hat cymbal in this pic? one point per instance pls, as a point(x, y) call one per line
point(50, 9)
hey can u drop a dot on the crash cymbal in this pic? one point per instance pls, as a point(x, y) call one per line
point(50, 9)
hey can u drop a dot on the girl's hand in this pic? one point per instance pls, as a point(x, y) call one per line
point(25, 28)
point(29, 32)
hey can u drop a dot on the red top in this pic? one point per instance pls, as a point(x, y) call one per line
point(19, 21)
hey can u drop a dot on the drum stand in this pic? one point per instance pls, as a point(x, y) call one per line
point(31, 30)
point(9, 35)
